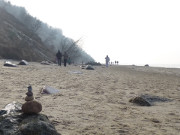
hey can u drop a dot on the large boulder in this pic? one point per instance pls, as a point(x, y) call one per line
point(14, 122)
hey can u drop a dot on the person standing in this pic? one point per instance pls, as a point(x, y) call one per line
point(59, 56)
point(107, 60)
point(65, 58)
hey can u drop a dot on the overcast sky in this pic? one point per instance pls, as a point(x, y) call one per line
point(130, 31)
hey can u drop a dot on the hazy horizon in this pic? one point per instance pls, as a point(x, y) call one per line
point(131, 32)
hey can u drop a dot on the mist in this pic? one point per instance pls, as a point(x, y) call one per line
point(53, 38)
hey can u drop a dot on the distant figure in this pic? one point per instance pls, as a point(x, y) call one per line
point(65, 58)
point(117, 62)
point(69, 61)
point(59, 56)
point(107, 60)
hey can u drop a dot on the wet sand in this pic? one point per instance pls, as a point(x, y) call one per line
point(97, 101)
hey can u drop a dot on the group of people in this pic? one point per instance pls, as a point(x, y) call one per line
point(59, 58)
point(108, 61)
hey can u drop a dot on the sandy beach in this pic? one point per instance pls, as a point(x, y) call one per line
point(96, 102)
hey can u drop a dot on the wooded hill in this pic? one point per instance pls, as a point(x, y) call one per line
point(25, 37)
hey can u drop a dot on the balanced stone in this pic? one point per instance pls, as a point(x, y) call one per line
point(29, 94)
point(29, 98)
point(29, 88)
point(31, 107)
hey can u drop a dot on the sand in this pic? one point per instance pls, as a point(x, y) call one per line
point(96, 102)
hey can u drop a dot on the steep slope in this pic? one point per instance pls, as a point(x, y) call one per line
point(17, 43)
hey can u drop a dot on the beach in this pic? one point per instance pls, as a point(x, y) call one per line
point(96, 102)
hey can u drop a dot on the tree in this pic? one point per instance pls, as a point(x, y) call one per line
point(35, 26)
point(71, 47)
point(50, 37)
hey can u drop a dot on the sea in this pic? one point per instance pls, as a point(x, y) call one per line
point(166, 65)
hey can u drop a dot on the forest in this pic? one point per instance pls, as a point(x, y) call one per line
point(39, 35)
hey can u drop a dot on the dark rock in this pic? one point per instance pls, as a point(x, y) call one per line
point(31, 107)
point(88, 67)
point(29, 98)
point(29, 88)
point(146, 65)
point(155, 120)
point(23, 62)
point(148, 100)
point(152, 99)
point(29, 93)
point(2, 112)
point(140, 101)
point(14, 122)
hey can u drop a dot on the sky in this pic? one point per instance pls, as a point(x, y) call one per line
point(128, 31)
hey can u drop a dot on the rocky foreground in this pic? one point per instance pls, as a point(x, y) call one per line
point(14, 122)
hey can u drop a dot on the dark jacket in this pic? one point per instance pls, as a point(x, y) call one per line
point(65, 56)
point(58, 55)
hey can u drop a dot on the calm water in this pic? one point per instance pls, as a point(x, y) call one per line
point(166, 65)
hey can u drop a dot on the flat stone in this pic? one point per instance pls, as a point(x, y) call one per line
point(29, 93)
point(29, 98)
point(140, 101)
point(9, 64)
point(31, 107)
point(49, 90)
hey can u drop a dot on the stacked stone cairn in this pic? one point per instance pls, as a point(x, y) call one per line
point(31, 106)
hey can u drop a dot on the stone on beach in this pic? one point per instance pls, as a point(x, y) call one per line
point(23, 62)
point(140, 101)
point(29, 98)
point(31, 107)
point(11, 108)
point(89, 67)
point(45, 63)
point(29, 93)
point(14, 122)
point(49, 90)
point(9, 64)
point(148, 100)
